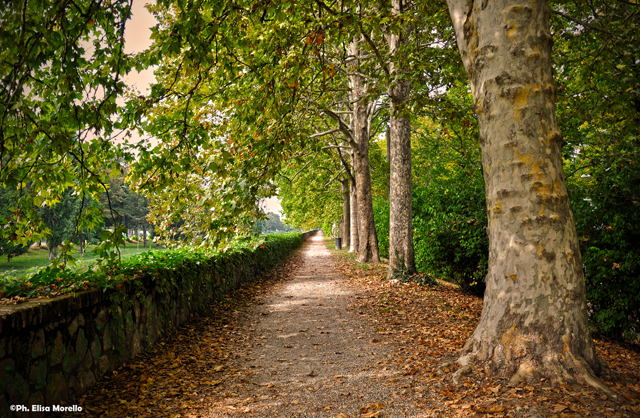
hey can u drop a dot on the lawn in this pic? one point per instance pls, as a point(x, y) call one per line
point(37, 257)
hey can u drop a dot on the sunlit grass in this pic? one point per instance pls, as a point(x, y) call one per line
point(37, 257)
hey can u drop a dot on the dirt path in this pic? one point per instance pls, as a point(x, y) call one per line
point(311, 354)
point(291, 345)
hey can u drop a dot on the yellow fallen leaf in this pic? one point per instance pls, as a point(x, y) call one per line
point(218, 368)
point(341, 415)
point(559, 408)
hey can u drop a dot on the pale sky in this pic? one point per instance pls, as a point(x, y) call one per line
point(137, 37)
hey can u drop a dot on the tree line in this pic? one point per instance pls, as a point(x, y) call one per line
point(129, 209)
point(486, 126)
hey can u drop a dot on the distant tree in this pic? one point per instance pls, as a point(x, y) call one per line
point(137, 210)
point(273, 223)
point(8, 200)
point(60, 220)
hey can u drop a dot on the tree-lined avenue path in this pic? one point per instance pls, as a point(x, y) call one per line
point(323, 336)
point(299, 349)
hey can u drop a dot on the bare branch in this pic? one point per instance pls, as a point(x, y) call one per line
point(319, 134)
point(586, 25)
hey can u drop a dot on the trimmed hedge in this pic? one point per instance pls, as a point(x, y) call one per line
point(206, 270)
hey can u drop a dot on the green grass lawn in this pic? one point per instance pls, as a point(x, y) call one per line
point(36, 257)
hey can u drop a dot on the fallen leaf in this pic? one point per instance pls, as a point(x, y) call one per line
point(492, 409)
point(559, 408)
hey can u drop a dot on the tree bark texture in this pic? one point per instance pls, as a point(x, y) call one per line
point(353, 205)
point(367, 238)
point(401, 253)
point(534, 321)
point(346, 213)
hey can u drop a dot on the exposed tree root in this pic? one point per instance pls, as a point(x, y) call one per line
point(565, 368)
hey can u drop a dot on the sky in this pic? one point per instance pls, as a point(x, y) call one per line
point(137, 39)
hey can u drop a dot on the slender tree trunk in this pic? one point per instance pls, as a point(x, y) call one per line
point(353, 205)
point(346, 213)
point(367, 239)
point(401, 254)
point(389, 159)
point(534, 321)
point(144, 234)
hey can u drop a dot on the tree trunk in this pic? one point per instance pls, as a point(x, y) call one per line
point(534, 321)
point(353, 205)
point(52, 252)
point(401, 254)
point(367, 239)
point(144, 235)
point(346, 213)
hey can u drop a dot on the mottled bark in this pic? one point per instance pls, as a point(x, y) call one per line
point(346, 213)
point(367, 238)
point(353, 205)
point(534, 321)
point(401, 254)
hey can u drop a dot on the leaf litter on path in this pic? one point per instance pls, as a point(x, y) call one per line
point(370, 347)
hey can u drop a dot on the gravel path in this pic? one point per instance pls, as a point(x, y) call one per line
point(310, 354)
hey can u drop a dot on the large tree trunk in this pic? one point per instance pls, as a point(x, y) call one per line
point(346, 213)
point(353, 205)
point(367, 239)
point(534, 321)
point(401, 254)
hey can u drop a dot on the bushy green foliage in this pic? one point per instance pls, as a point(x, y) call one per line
point(598, 108)
point(450, 235)
point(241, 260)
point(8, 199)
point(381, 215)
point(606, 208)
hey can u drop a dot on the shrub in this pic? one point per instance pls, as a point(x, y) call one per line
point(381, 217)
point(243, 259)
point(607, 217)
point(450, 236)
